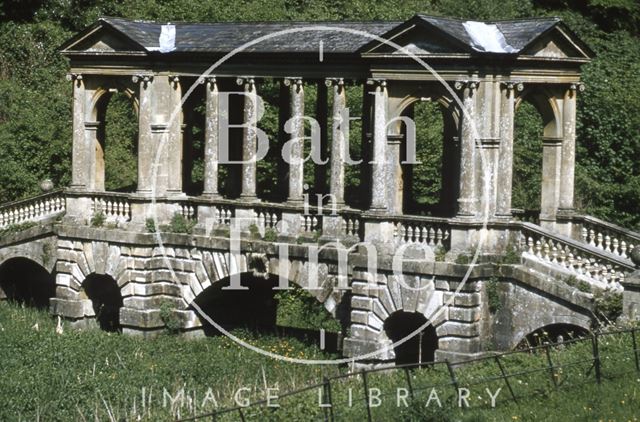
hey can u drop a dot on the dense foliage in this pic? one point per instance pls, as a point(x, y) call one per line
point(35, 116)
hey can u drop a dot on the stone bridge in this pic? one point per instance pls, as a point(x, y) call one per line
point(485, 276)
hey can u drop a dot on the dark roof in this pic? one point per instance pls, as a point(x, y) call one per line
point(518, 33)
point(224, 37)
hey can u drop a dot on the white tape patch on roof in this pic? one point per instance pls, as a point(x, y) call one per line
point(167, 38)
point(487, 37)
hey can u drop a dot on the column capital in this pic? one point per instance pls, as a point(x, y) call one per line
point(334, 82)
point(208, 80)
point(377, 82)
point(293, 81)
point(74, 76)
point(471, 84)
point(174, 80)
point(246, 80)
point(513, 85)
point(575, 87)
point(141, 78)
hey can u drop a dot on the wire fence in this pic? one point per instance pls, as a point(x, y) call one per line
point(518, 374)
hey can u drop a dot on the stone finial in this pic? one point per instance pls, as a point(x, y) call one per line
point(635, 256)
point(377, 82)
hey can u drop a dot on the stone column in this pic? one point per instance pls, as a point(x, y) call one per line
point(320, 174)
point(568, 147)
point(551, 165)
point(174, 141)
point(339, 143)
point(296, 163)
point(467, 201)
point(393, 173)
point(249, 140)
point(505, 160)
point(211, 140)
point(379, 199)
point(94, 157)
point(145, 141)
point(79, 170)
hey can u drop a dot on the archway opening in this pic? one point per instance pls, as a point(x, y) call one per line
point(527, 157)
point(117, 143)
point(25, 282)
point(430, 186)
point(263, 309)
point(104, 293)
point(420, 348)
point(553, 333)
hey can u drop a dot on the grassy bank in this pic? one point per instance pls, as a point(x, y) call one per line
point(93, 375)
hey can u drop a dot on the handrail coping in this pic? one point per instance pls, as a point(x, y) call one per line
point(31, 199)
point(611, 226)
point(577, 244)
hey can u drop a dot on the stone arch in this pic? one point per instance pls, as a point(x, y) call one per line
point(546, 150)
point(558, 325)
point(545, 102)
point(552, 333)
point(42, 252)
point(26, 281)
point(106, 300)
point(449, 161)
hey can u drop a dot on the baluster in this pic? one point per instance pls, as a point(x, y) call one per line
point(607, 243)
point(623, 249)
point(439, 237)
point(599, 239)
point(554, 254)
point(431, 233)
point(616, 246)
point(592, 237)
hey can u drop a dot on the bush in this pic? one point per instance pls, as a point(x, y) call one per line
point(179, 224)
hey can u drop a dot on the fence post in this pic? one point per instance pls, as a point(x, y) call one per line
point(635, 349)
point(504, 376)
point(452, 374)
point(596, 357)
point(551, 367)
point(408, 376)
point(241, 414)
point(328, 411)
point(366, 394)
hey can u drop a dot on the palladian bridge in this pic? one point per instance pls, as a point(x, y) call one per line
point(94, 256)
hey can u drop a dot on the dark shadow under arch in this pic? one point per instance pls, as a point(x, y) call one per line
point(552, 333)
point(104, 293)
point(26, 282)
point(257, 309)
point(420, 348)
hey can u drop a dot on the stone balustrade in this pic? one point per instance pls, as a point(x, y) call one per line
point(429, 231)
point(352, 225)
point(268, 217)
point(115, 207)
point(583, 260)
point(32, 209)
point(189, 211)
point(606, 236)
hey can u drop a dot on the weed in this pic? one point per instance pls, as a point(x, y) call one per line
point(179, 224)
point(169, 318)
point(16, 228)
point(98, 219)
point(150, 225)
point(581, 285)
point(270, 235)
point(493, 295)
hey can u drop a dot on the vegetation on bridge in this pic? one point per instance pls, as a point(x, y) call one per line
point(35, 98)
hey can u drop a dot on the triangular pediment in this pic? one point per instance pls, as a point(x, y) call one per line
point(557, 43)
point(417, 38)
point(101, 39)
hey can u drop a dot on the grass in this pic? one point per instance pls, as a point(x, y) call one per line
point(89, 375)
point(93, 375)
